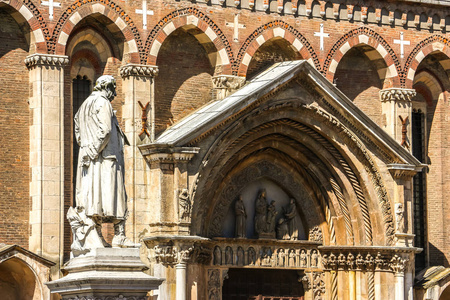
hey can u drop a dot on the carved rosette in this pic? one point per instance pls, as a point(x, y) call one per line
point(46, 60)
point(138, 70)
point(397, 94)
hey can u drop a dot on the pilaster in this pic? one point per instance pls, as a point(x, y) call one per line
point(46, 73)
point(396, 110)
point(225, 85)
point(138, 117)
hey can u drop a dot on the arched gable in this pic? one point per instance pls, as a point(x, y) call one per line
point(267, 32)
point(28, 13)
point(358, 36)
point(429, 45)
point(211, 34)
point(81, 9)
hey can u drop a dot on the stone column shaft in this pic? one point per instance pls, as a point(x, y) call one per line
point(47, 155)
point(181, 281)
point(138, 89)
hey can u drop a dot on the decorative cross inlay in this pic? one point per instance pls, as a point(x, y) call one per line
point(322, 35)
point(144, 12)
point(236, 27)
point(51, 4)
point(402, 43)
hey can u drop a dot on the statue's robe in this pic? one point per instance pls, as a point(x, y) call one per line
point(100, 186)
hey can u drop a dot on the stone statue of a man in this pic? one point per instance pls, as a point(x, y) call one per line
point(100, 188)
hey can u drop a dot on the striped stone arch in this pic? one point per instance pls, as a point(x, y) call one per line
point(429, 45)
point(358, 36)
point(211, 34)
point(33, 17)
point(81, 9)
point(267, 32)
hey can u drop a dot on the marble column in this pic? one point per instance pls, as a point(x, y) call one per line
point(138, 117)
point(396, 106)
point(47, 156)
point(226, 85)
point(181, 281)
point(398, 266)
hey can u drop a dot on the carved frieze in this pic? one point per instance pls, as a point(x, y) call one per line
point(315, 234)
point(397, 94)
point(138, 70)
point(318, 286)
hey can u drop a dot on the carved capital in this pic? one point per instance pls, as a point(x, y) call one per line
point(398, 265)
point(46, 60)
point(397, 94)
point(228, 82)
point(138, 70)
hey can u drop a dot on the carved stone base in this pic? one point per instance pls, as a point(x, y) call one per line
point(404, 239)
point(106, 273)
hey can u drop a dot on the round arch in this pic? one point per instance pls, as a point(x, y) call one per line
point(114, 14)
point(433, 44)
point(266, 32)
point(19, 280)
point(211, 37)
point(363, 35)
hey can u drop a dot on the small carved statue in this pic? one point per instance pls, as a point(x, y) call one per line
point(185, 205)
point(217, 256)
point(228, 256)
point(291, 258)
point(282, 230)
point(251, 256)
point(303, 258)
point(240, 256)
point(271, 217)
point(399, 217)
point(281, 257)
point(291, 214)
point(260, 213)
point(314, 258)
point(241, 218)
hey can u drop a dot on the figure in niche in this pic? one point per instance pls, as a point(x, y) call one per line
point(241, 218)
point(228, 256)
point(271, 218)
point(260, 213)
point(303, 258)
point(281, 257)
point(314, 258)
point(282, 230)
point(251, 256)
point(291, 258)
point(185, 205)
point(217, 256)
point(399, 217)
point(240, 256)
point(290, 214)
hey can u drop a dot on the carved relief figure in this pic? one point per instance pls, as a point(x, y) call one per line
point(251, 256)
point(303, 258)
point(291, 258)
point(314, 258)
point(228, 256)
point(241, 218)
point(260, 212)
point(185, 205)
point(290, 214)
point(100, 186)
point(282, 229)
point(280, 257)
point(399, 217)
point(271, 217)
point(217, 256)
point(240, 256)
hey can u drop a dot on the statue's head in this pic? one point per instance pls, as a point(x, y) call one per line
point(106, 83)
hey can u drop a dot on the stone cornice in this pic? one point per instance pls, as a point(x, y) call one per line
point(167, 154)
point(397, 94)
point(404, 171)
point(228, 82)
point(46, 60)
point(138, 70)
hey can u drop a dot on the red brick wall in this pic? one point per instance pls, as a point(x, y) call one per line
point(184, 81)
point(14, 134)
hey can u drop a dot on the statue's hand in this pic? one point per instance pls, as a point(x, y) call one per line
point(85, 161)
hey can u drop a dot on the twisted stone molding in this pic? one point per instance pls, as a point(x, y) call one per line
point(46, 60)
point(397, 94)
point(138, 70)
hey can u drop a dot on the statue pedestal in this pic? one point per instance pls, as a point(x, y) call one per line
point(404, 239)
point(105, 273)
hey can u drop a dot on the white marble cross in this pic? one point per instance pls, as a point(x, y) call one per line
point(236, 27)
point(51, 4)
point(144, 12)
point(402, 43)
point(322, 35)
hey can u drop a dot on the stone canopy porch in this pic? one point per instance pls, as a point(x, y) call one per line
point(293, 133)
